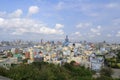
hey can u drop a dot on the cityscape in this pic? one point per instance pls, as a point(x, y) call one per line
point(59, 40)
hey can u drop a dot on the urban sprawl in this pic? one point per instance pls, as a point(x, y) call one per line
point(87, 54)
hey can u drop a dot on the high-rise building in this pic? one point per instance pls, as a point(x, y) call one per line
point(66, 39)
point(66, 42)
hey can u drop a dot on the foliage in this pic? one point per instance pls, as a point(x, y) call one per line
point(72, 62)
point(25, 60)
point(46, 71)
point(49, 71)
point(115, 61)
point(106, 72)
point(77, 72)
point(3, 71)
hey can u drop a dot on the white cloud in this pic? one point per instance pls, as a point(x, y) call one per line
point(21, 26)
point(118, 34)
point(77, 34)
point(59, 26)
point(82, 25)
point(15, 25)
point(95, 30)
point(98, 27)
point(47, 30)
point(16, 13)
point(33, 9)
point(1, 21)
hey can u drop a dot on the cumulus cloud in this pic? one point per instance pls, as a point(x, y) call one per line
point(99, 27)
point(1, 21)
point(16, 13)
point(13, 24)
point(82, 25)
point(76, 34)
point(20, 26)
point(33, 10)
point(95, 31)
point(59, 26)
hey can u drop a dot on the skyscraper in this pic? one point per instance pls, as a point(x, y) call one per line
point(66, 39)
point(66, 42)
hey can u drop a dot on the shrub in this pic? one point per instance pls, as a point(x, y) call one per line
point(106, 72)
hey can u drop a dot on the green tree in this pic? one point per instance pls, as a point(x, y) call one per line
point(106, 72)
point(3, 71)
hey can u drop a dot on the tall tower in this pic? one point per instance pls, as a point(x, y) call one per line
point(66, 39)
point(66, 42)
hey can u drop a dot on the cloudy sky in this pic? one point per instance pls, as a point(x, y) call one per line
point(91, 20)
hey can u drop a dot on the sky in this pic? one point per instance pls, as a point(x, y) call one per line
point(90, 20)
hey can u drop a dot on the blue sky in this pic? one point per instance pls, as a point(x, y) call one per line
point(91, 20)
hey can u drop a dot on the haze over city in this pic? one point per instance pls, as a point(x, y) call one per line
point(92, 20)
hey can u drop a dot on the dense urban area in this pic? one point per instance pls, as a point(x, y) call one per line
point(65, 60)
point(59, 39)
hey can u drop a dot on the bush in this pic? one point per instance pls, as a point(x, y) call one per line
point(46, 71)
point(106, 72)
point(3, 71)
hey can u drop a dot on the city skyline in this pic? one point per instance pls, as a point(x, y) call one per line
point(90, 20)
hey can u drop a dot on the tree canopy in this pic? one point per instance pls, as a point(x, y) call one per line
point(47, 71)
